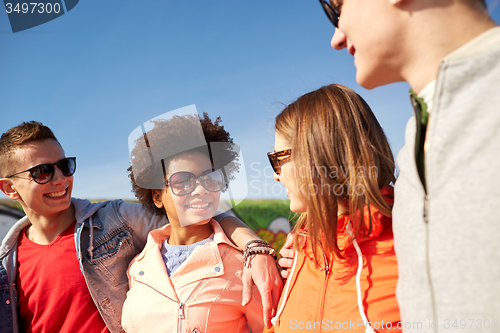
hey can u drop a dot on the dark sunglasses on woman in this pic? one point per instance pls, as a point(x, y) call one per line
point(184, 183)
point(277, 163)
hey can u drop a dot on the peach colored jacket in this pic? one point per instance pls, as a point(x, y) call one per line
point(203, 295)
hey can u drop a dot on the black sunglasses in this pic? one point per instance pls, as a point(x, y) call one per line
point(332, 12)
point(275, 162)
point(183, 183)
point(44, 173)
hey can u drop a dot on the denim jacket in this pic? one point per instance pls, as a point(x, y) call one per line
point(108, 235)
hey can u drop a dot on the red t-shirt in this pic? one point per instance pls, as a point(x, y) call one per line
point(53, 294)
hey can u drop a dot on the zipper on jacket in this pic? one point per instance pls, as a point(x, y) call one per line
point(323, 294)
point(325, 286)
point(427, 232)
point(428, 266)
point(416, 107)
point(426, 209)
point(325, 283)
point(181, 315)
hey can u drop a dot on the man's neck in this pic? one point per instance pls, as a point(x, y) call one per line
point(438, 31)
point(45, 229)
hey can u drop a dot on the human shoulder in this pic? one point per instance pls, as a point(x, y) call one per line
point(10, 240)
point(220, 236)
point(485, 42)
point(85, 208)
point(128, 210)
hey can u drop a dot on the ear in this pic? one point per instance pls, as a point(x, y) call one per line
point(157, 198)
point(8, 188)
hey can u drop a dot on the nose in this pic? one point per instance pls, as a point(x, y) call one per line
point(276, 177)
point(199, 189)
point(58, 177)
point(339, 40)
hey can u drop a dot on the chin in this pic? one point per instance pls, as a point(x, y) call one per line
point(298, 207)
point(195, 220)
point(61, 205)
point(366, 82)
point(372, 79)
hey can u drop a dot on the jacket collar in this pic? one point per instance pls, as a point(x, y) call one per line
point(161, 234)
point(93, 222)
point(485, 42)
point(83, 210)
point(10, 240)
point(380, 222)
point(208, 262)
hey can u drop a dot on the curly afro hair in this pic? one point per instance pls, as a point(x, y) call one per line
point(179, 128)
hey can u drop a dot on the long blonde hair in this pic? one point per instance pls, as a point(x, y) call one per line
point(342, 156)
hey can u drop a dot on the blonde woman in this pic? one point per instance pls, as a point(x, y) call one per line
point(334, 160)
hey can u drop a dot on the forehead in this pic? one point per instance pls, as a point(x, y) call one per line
point(280, 143)
point(38, 152)
point(195, 163)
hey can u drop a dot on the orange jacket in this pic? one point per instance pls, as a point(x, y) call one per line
point(325, 298)
point(203, 295)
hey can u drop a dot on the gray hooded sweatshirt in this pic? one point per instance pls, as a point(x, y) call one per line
point(447, 237)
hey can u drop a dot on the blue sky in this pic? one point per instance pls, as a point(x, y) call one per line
point(96, 73)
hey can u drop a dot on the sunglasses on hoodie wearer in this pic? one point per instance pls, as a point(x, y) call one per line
point(332, 12)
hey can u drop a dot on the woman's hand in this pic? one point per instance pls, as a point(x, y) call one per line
point(263, 272)
point(287, 256)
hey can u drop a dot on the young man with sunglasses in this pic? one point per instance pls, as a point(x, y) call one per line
point(446, 230)
point(63, 266)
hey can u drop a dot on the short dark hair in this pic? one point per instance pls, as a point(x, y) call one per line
point(16, 137)
point(178, 127)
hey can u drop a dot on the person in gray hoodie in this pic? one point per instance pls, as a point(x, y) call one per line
point(446, 229)
point(63, 266)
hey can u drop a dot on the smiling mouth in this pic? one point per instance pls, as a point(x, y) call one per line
point(199, 206)
point(56, 194)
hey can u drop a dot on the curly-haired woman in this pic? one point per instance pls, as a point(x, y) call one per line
point(188, 278)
